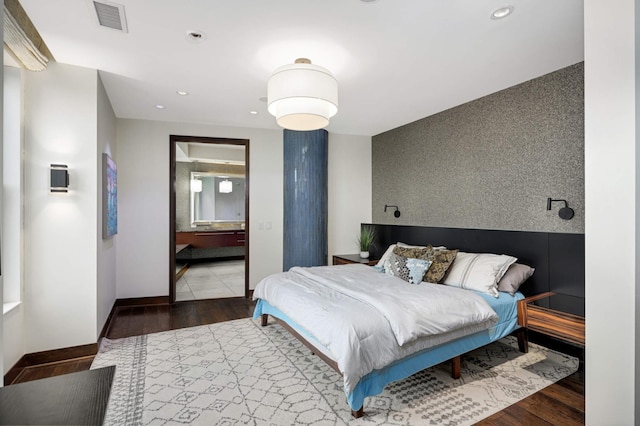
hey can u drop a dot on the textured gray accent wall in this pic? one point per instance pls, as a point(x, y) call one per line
point(490, 163)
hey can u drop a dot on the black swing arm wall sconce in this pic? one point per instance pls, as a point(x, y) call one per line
point(565, 212)
point(396, 213)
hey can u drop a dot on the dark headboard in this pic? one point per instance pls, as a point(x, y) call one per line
point(558, 258)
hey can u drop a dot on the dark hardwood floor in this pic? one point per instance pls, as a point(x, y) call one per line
point(562, 403)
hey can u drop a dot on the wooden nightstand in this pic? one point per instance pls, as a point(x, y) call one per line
point(344, 259)
point(557, 315)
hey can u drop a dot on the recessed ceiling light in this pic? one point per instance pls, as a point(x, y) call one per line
point(182, 93)
point(160, 106)
point(253, 112)
point(503, 12)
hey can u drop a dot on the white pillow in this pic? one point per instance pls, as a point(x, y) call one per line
point(385, 256)
point(478, 271)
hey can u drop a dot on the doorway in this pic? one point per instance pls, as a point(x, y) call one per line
point(209, 218)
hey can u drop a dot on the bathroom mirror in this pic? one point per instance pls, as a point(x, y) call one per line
point(216, 197)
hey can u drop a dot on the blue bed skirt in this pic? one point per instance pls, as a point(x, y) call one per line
point(375, 382)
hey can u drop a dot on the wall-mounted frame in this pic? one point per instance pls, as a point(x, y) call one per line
point(109, 197)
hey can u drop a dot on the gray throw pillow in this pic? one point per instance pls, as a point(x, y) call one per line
point(515, 276)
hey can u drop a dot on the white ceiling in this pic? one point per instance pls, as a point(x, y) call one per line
point(396, 61)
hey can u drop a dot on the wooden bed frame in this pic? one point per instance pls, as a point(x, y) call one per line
point(557, 258)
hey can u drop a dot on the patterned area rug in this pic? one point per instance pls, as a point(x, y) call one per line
point(239, 373)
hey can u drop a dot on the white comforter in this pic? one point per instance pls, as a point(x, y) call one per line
point(366, 319)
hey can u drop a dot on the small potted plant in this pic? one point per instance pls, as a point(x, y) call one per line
point(365, 241)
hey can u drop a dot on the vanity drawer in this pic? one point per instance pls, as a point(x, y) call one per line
point(211, 239)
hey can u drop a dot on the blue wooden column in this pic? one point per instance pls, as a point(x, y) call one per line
point(305, 198)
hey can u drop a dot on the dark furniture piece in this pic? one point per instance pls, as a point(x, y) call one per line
point(556, 315)
point(558, 258)
point(345, 259)
point(211, 239)
point(203, 245)
point(71, 399)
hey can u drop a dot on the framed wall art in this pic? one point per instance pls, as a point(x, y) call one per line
point(109, 197)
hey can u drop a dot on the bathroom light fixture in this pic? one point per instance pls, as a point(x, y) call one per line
point(225, 186)
point(196, 185)
point(502, 12)
point(59, 178)
point(565, 212)
point(302, 96)
point(396, 213)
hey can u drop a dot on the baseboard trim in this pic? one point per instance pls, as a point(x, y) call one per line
point(49, 357)
point(81, 351)
point(141, 301)
point(15, 371)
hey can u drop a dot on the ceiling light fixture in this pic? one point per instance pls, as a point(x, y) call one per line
point(182, 93)
point(160, 106)
point(302, 96)
point(253, 112)
point(503, 12)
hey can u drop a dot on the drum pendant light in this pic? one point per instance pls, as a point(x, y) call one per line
point(302, 96)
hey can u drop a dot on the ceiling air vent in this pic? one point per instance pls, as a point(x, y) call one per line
point(110, 14)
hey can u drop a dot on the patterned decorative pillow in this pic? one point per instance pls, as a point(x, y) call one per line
point(397, 266)
point(440, 259)
point(414, 252)
point(408, 269)
point(378, 268)
point(417, 269)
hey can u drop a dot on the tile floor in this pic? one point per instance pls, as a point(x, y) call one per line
point(212, 281)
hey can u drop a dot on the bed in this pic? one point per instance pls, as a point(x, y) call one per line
point(375, 327)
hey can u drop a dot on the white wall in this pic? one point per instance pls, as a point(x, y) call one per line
point(143, 201)
point(1, 277)
point(349, 191)
point(13, 343)
point(143, 197)
point(106, 256)
point(611, 196)
point(60, 229)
